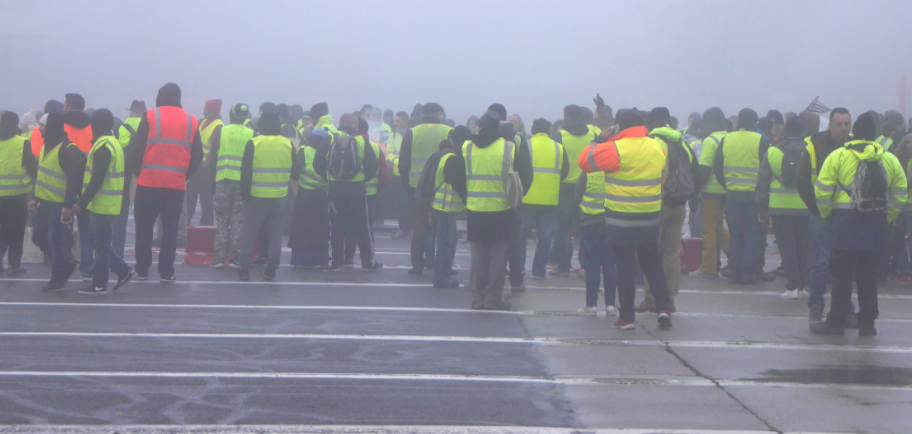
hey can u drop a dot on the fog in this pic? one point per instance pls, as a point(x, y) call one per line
point(532, 56)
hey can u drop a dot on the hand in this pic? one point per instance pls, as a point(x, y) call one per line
point(32, 205)
point(66, 216)
point(763, 216)
point(77, 209)
point(599, 102)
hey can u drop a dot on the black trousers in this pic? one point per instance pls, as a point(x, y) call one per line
point(350, 213)
point(199, 189)
point(13, 216)
point(650, 260)
point(422, 248)
point(150, 203)
point(861, 268)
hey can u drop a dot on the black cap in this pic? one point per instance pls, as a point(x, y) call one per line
point(658, 117)
point(541, 125)
point(137, 106)
point(865, 127)
point(431, 108)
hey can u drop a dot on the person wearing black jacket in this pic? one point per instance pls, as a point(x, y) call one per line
point(48, 232)
point(14, 208)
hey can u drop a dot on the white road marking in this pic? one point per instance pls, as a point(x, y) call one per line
point(351, 429)
point(286, 307)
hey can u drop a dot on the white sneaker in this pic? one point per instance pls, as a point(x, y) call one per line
point(611, 311)
point(699, 273)
point(805, 293)
point(586, 311)
point(791, 295)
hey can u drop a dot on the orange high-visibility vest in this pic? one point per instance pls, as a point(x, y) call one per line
point(167, 156)
point(37, 141)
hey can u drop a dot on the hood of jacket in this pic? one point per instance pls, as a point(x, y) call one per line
point(324, 121)
point(670, 134)
point(795, 144)
point(486, 137)
point(865, 150)
point(576, 127)
point(168, 95)
point(77, 119)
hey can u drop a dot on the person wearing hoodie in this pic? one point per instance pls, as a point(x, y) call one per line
point(78, 126)
point(167, 151)
point(712, 199)
point(101, 198)
point(310, 227)
point(671, 227)
point(819, 146)
point(18, 167)
point(575, 137)
point(400, 127)
point(200, 188)
point(857, 236)
point(418, 143)
point(266, 170)
point(894, 262)
point(36, 138)
point(736, 167)
point(894, 127)
point(776, 196)
point(125, 133)
point(58, 184)
point(634, 166)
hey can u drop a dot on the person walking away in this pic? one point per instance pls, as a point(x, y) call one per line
point(347, 165)
point(894, 262)
point(712, 199)
point(310, 228)
point(168, 150)
point(597, 259)
point(736, 167)
point(200, 188)
point(125, 133)
point(692, 138)
point(57, 185)
point(228, 145)
point(266, 170)
point(393, 145)
point(550, 166)
point(447, 204)
point(102, 193)
point(859, 216)
point(18, 167)
point(777, 196)
point(574, 137)
point(819, 147)
point(78, 126)
point(418, 143)
point(377, 183)
point(681, 184)
point(634, 165)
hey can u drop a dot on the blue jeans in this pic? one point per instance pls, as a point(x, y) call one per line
point(543, 220)
point(52, 237)
point(445, 225)
point(598, 263)
point(86, 239)
point(823, 251)
point(105, 258)
point(745, 233)
point(120, 223)
point(567, 209)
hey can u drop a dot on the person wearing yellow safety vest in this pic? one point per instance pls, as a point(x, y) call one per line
point(736, 167)
point(858, 206)
point(226, 154)
point(777, 196)
point(347, 189)
point(124, 135)
point(266, 171)
point(682, 165)
point(18, 167)
point(486, 161)
point(200, 188)
point(550, 166)
point(374, 185)
point(310, 228)
point(894, 127)
point(712, 199)
point(57, 185)
point(102, 195)
point(634, 167)
point(575, 137)
point(393, 146)
point(128, 129)
point(418, 144)
point(447, 204)
point(595, 257)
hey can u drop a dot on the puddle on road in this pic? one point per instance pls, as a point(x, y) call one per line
point(864, 375)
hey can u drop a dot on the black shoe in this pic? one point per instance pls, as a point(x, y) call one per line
point(268, 275)
point(18, 271)
point(140, 276)
point(332, 268)
point(171, 279)
point(348, 263)
point(93, 290)
point(54, 286)
point(123, 280)
point(851, 321)
point(416, 271)
point(374, 266)
point(664, 320)
point(450, 284)
point(68, 272)
point(822, 328)
point(766, 277)
point(867, 331)
point(243, 274)
point(560, 273)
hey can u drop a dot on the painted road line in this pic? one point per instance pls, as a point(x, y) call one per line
point(274, 307)
point(350, 429)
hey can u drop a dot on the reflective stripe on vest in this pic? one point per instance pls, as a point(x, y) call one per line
point(634, 192)
point(782, 200)
point(486, 172)
point(708, 158)
point(309, 179)
point(107, 200)
point(574, 145)
point(742, 161)
point(271, 167)
point(167, 156)
point(14, 180)
point(445, 198)
point(232, 143)
point(547, 162)
point(52, 181)
point(594, 197)
point(426, 140)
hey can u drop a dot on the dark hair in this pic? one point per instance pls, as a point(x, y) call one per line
point(269, 124)
point(282, 111)
point(267, 107)
point(839, 111)
point(403, 115)
point(499, 109)
point(75, 101)
point(363, 126)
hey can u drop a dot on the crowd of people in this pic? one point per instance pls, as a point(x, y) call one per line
point(622, 183)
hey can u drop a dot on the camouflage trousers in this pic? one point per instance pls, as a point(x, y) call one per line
point(229, 219)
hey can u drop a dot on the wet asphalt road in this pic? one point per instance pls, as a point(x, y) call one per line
point(386, 352)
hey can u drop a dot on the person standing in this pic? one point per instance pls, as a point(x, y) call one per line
point(102, 193)
point(418, 143)
point(266, 171)
point(168, 150)
point(399, 127)
point(228, 145)
point(692, 138)
point(597, 259)
point(18, 167)
point(200, 188)
point(574, 137)
point(634, 167)
point(859, 219)
point(78, 126)
point(736, 167)
point(712, 199)
point(125, 133)
point(447, 204)
point(777, 196)
point(310, 229)
point(550, 165)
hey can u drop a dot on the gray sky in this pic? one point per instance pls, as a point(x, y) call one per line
point(533, 56)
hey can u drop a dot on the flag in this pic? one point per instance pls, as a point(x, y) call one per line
point(817, 107)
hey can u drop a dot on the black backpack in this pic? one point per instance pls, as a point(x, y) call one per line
point(427, 186)
point(679, 182)
point(344, 163)
point(787, 173)
point(870, 187)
